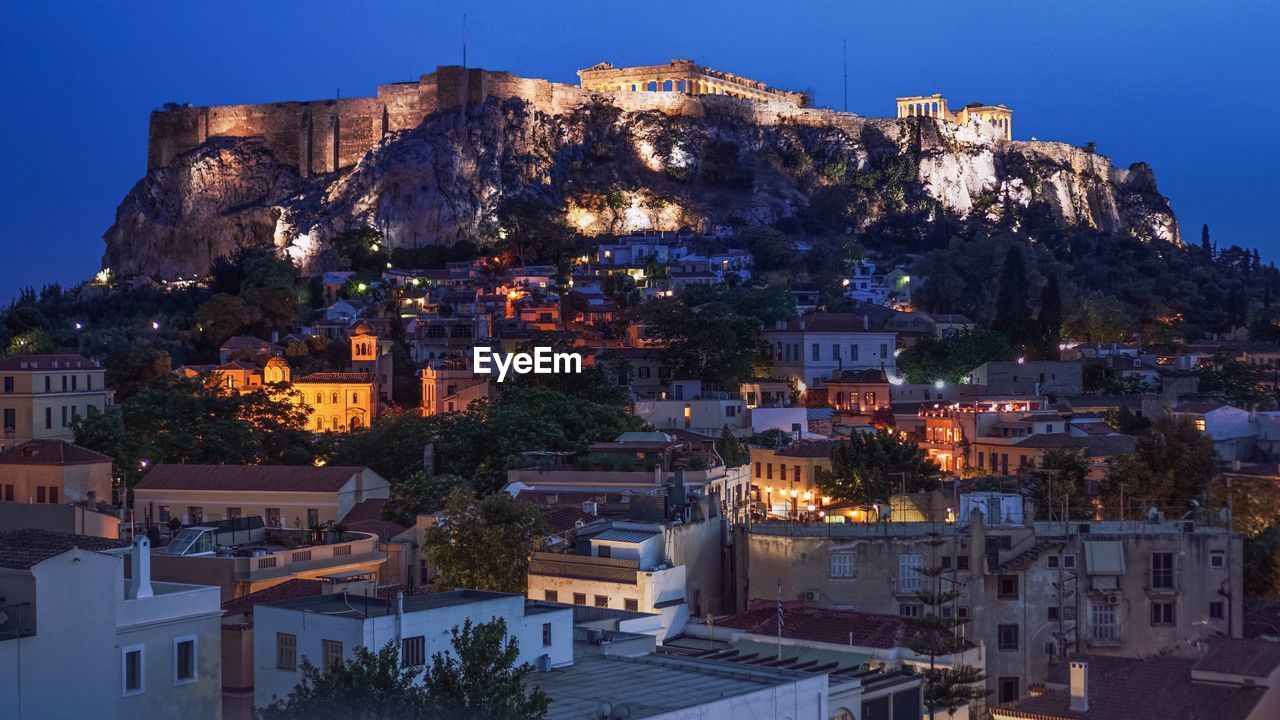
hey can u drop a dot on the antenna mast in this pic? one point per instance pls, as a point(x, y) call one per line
point(464, 39)
point(844, 57)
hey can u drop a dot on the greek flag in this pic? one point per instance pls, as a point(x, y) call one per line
point(781, 614)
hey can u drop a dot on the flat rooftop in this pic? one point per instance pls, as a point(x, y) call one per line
point(649, 685)
point(362, 606)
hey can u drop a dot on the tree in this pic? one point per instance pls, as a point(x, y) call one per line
point(770, 249)
point(732, 450)
point(1204, 239)
point(933, 635)
point(1238, 383)
point(481, 679)
point(418, 494)
point(484, 544)
point(870, 467)
point(370, 686)
point(1171, 466)
point(709, 342)
point(1262, 564)
point(1013, 313)
point(1063, 473)
point(953, 357)
point(1049, 321)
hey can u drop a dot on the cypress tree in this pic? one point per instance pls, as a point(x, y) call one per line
point(1050, 318)
point(1204, 239)
point(1013, 315)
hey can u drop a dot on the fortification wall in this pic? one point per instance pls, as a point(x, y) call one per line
point(325, 135)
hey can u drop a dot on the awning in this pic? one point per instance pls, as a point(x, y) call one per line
point(1104, 557)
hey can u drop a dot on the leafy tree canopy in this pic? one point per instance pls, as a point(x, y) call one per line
point(870, 467)
point(484, 544)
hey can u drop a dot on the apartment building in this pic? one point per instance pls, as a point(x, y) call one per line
point(785, 478)
point(78, 640)
point(328, 628)
point(812, 349)
point(1030, 592)
point(42, 395)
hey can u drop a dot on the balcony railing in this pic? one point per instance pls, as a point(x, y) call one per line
point(17, 621)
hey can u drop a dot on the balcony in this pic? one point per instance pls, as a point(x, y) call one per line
point(17, 621)
point(584, 567)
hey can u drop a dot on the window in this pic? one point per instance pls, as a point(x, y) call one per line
point(8, 493)
point(165, 513)
point(946, 562)
point(1217, 610)
point(1200, 424)
point(757, 469)
point(195, 514)
point(815, 351)
point(48, 383)
point(330, 653)
point(1053, 561)
point(909, 573)
point(1102, 622)
point(1010, 687)
point(602, 601)
point(132, 671)
point(884, 350)
point(313, 517)
point(1007, 637)
point(1055, 612)
point(579, 598)
point(853, 353)
point(1217, 559)
point(869, 399)
point(8, 384)
point(273, 517)
point(413, 651)
point(10, 420)
point(551, 595)
point(835, 352)
point(962, 562)
point(643, 372)
point(40, 494)
point(910, 610)
point(53, 494)
point(631, 605)
point(1007, 587)
point(546, 634)
point(233, 513)
point(48, 418)
point(184, 660)
point(1162, 613)
point(1162, 571)
point(64, 383)
point(64, 416)
point(604, 551)
point(842, 565)
point(286, 651)
point(962, 613)
point(1069, 562)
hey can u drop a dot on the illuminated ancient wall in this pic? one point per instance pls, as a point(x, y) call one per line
point(683, 76)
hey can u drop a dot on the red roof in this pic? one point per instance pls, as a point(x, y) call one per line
point(48, 362)
point(248, 478)
point(823, 625)
point(51, 452)
point(287, 590)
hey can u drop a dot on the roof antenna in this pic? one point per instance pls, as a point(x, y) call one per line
point(464, 40)
point(844, 56)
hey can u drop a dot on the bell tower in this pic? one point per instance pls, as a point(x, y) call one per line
point(364, 349)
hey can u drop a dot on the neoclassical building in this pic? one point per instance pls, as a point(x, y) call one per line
point(936, 106)
point(683, 76)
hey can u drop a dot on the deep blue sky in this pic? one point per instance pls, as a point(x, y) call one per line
point(1188, 86)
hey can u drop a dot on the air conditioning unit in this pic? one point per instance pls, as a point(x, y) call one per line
point(1113, 599)
point(590, 507)
point(812, 596)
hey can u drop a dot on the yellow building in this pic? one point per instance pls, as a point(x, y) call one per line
point(53, 472)
point(785, 478)
point(451, 390)
point(935, 105)
point(42, 395)
point(338, 401)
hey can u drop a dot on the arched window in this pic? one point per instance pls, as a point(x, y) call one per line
point(319, 424)
point(336, 425)
point(334, 399)
point(355, 399)
point(319, 398)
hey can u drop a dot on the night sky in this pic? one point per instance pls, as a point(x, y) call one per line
point(1189, 87)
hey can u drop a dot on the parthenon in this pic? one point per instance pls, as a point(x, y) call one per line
point(683, 76)
point(936, 106)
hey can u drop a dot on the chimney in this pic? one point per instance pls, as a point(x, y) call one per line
point(866, 322)
point(142, 567)
point(1079, 687)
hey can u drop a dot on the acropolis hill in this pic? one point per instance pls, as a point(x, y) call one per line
point(628, 148)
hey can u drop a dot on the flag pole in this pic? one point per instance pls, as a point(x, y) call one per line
point(780, 619)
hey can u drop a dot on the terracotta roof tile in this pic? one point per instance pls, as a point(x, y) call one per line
point(287, 590)
point(366, 516)
point(1251, 658)
point(51, 452)
point(20, 549)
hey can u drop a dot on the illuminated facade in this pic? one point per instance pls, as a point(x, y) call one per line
point(935, 105)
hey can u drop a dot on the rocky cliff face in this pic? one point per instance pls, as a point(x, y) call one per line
point(614, 170)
